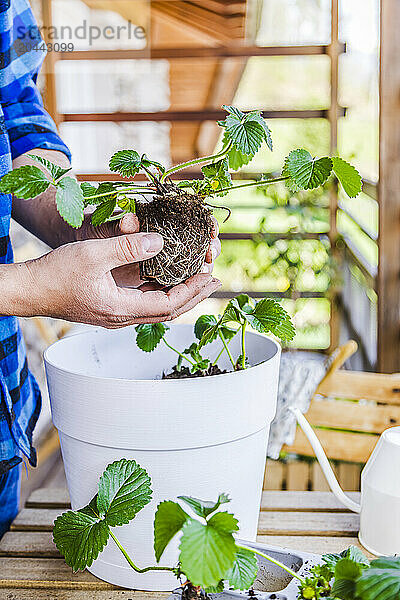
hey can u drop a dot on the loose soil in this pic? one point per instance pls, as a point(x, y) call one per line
point(186, 226)
point(185, 373)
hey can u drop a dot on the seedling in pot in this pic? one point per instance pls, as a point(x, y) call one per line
point(179, 210)
point(210, 557)
point(265, 316)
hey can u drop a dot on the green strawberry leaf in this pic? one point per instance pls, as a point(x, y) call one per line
point(242, 574)
point(247, 131)
point(305, 172)
point(236, 159)
point(204, 508)
point(104, 211)
point(168, 520)
point(348, 569)
point(69, 201)
point(126, 162)
point(217, 176)
point(88, 190)
point(344, 589)
point(381, 581)
point(149, 335)
point(353, 553)
point(202, 324)
point(80, 536)
point(348, 176)
point(25, 182)
point(207, 551)
point(256, 117)
point(124, 489)
point(55, 171)
point(269, 316)
point(215, 589)
point(346, 574)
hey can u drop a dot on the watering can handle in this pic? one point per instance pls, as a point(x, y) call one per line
point(324, 462)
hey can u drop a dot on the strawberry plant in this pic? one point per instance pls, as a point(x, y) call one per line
point(265, 316)
point(210, 558)
point(179, 210)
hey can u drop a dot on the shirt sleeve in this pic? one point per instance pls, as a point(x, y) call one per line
point(29, 125)
point(22, 51)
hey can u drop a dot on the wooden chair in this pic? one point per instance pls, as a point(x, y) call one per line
point(349, 411)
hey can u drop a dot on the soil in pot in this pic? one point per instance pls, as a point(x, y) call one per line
point(184, 373)
point(185, 223)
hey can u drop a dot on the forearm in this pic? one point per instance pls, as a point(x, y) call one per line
point(17, 293)
point(40, 215)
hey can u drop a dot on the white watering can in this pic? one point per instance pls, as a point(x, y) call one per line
point(380, 490)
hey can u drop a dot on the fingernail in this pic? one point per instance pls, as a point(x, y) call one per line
point(216, 281)
point(152, 242)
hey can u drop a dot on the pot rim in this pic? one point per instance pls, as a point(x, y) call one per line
point(49, 362)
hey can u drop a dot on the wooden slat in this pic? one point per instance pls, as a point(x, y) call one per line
point(8, 593)
point(353, 416)
point(187, 115)
point(298, 475)
point(369, 386)
point(308, 523)
point(27, 544)
point(187, 52)
point(275, 475)
point(49, 498)
point(338, 445)
point(318, 544)
point(46, 573)
point(349, 476)
point(304, 501)
point(318, 479)
point(35, 519)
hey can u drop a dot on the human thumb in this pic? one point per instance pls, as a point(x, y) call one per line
point(126, 249)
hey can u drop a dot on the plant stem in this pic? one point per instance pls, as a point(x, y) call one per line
point(221, 335)
point(244, 345)
point(272, 560)
point(140, 189)
point(223, 349)
point(177, 351)
point(130, 561)
point(252, 183)
point(197, 161)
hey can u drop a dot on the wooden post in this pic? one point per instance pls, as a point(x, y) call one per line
point(389, 191)
point(334, 51)
point(49, 64)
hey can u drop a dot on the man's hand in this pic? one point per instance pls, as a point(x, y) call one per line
point(75, 282)
point(128, 275)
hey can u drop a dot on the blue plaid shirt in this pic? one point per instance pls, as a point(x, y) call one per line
point(24, 125)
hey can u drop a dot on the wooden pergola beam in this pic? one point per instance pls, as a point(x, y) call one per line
point(236, 51)
point(389, 191)
point(174, 116)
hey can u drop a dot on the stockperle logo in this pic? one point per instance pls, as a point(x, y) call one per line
point(66, 35)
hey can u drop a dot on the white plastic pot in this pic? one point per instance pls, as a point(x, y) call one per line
point(195, 437)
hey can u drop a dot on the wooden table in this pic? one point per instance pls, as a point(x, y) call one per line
point(32, 569)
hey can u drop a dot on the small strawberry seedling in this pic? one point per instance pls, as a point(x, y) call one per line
point(265, 316)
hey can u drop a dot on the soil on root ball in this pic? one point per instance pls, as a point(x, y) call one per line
point(185, 373)
point(185, 223)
